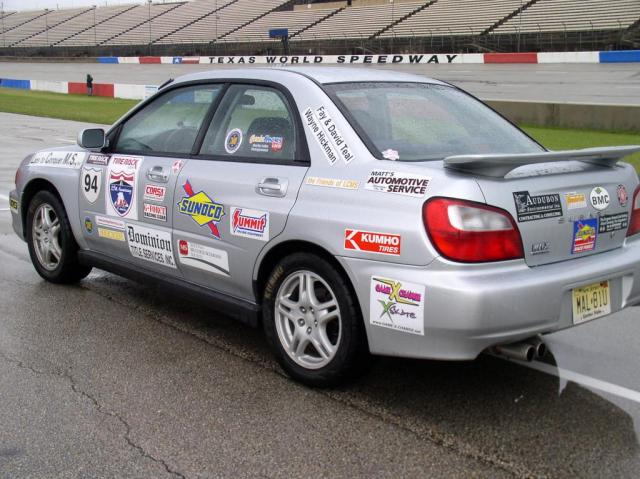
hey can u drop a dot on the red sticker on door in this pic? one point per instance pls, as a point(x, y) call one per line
point(371, 242)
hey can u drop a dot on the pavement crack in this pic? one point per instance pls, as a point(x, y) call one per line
point(96, 404)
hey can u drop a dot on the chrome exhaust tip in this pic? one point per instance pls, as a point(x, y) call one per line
point(538, 344)
point(522, 351)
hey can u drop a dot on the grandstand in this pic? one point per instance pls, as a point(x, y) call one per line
point(242, 26)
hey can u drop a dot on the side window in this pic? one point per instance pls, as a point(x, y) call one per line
point(252, 122)
point(169, 124)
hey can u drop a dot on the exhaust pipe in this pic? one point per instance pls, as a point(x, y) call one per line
point(521, 350)
point(538, 344)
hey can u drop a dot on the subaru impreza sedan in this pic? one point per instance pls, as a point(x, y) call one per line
point(348, 211)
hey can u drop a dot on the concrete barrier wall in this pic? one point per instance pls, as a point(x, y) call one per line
point(570, 115)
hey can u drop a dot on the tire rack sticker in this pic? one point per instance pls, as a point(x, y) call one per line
point(328, 136)
point(203, 257)
point(98, 160)
point(122, 177)
point(370, 242)
point(397, 305)
point(150, 245)
point(58, 159)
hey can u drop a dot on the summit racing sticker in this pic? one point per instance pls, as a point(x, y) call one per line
point(249, 223)
point(585, 233)
point(203, 257)
point(121, 193)
point(58, 159)
point(530, 208)
point(150, 245)
point(202, 209)
point(407, 184)
point(397, 305)
point(382, 243)
point(327, 135)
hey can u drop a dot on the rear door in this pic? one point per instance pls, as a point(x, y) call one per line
point(235, 198)
point(128, 195)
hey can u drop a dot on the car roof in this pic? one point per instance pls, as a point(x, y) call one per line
point(319, 74)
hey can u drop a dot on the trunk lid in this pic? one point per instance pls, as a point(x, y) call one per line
point(566, 204)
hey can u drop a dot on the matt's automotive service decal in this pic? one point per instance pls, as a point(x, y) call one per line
point(407, 184)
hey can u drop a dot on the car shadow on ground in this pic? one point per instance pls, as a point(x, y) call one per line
point(488, 406)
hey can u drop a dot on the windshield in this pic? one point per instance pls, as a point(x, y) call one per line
point(422, 121)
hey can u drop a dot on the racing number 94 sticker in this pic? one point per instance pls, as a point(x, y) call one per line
point(91, 183)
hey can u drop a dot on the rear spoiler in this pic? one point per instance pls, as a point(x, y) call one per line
point(498, 165)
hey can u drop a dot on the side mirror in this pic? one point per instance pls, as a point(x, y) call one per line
point(91, 138)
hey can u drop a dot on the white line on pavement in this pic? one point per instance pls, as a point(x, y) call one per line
point(588, 381)
point(4, 197)
point(66, 140)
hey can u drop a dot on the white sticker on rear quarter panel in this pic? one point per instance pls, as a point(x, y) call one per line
point(407, 184)
point(396, 304)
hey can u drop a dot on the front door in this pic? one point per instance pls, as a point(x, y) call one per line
point(235, 198)
point(130, 218)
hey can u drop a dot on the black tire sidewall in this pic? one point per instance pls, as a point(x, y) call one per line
point(352, 349)
point(68, 269)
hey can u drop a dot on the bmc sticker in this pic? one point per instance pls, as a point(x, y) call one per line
point(121, 194)
point(233, 141)
point(585, 233)
point(58, 159)
point(382, 243)
point(250, 223)
point(91, 183)
point(407, 184)
point(530, 208)
point(203, 257)
point(150, 245)
point(202, 209)
point(599, 198)
point(154, 192)
point(575, 201)
point(154, 212)
point(397, 305)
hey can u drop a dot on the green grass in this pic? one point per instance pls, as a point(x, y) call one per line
point(67, 107)
point(108, 110)
point(565, 139)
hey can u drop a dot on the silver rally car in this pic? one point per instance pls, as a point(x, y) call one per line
point(350, 211)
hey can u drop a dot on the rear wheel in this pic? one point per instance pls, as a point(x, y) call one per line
point(312, 322)
point(52, 247)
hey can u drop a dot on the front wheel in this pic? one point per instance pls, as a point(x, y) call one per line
point(52, 247)
point(312, 322)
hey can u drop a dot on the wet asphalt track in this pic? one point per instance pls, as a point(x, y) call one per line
point(111, 378)
point(573, 83)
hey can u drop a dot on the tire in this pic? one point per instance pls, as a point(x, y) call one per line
point(322, 346)
point(52, 247)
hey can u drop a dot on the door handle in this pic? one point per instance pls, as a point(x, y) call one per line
point(158, 174)
point(272, 187)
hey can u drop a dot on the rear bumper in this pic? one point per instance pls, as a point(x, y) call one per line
point(16, 217)
point(468, 308)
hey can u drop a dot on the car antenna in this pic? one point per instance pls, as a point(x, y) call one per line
point(165, 84)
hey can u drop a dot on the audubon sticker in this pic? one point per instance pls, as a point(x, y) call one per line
point(539, 207)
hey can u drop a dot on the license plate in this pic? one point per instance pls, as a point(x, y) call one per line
point(591, 302)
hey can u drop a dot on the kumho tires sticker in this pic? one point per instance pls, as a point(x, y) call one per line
point(370, 242)
point(407, 184)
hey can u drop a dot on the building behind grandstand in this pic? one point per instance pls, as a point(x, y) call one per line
point(234, 27)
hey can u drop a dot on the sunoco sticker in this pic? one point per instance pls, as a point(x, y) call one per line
point(407, 184)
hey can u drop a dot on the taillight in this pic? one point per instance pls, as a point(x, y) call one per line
point(471, 232)
point(634, 224)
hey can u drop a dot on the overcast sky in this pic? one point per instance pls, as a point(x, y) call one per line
point(40, 4)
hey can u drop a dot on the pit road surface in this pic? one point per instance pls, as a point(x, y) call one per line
point(110, 378)
point(572, 83)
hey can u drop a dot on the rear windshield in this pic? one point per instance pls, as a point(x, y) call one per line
point(422, 121)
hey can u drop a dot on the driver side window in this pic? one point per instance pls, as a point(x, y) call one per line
point(170, 123)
